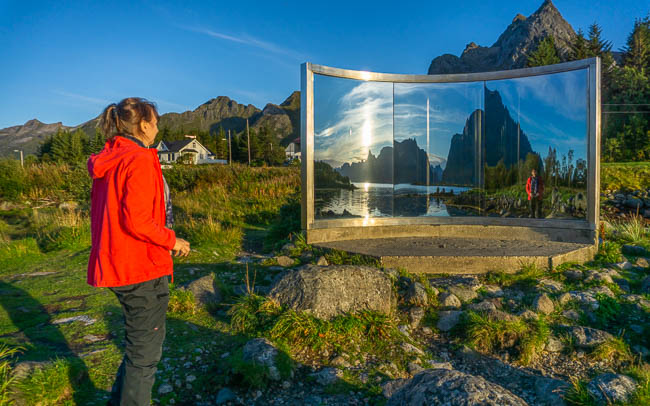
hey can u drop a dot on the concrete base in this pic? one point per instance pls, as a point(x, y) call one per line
point(464, 255)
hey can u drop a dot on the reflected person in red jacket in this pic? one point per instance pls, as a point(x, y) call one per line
point(131, 244)
point(535, 190)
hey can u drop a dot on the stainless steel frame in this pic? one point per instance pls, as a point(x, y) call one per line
point(312, 227)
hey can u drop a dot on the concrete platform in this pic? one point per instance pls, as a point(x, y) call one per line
point(464, 255)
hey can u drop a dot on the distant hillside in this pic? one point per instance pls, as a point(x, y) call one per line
point(283, 120)
point(521, 37)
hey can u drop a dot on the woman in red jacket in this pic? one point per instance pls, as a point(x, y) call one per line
point(131, 244)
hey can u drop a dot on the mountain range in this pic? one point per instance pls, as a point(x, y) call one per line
point(508, 52)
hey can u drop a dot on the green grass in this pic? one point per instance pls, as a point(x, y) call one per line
point(6, 374)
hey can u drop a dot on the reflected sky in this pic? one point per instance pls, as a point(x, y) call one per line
point(551, 109)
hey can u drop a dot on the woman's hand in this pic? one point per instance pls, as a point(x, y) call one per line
point(181, 248)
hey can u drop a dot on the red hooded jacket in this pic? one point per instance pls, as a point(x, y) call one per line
point(130, 243)
point(540, 187)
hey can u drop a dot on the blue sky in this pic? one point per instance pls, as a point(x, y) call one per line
point(65, 61)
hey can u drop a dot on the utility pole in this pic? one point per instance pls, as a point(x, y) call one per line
point(229, 150)
point(22, 164)
point(248, 137)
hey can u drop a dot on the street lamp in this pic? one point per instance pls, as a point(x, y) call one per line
point(22, 165)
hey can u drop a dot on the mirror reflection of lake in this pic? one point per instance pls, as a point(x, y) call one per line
point(383, 200)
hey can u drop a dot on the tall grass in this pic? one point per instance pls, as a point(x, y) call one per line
point(632, 229)
point(6, 375)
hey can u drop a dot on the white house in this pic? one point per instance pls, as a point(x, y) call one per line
point(292, 151)
point(172, 151)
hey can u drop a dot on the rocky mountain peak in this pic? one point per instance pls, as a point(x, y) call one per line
point(293, 100)
point(512, 47)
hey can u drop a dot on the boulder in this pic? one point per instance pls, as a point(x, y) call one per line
point(284, 261)
point(464, 293)
point(260, 351)
point(416, 295)
point(550, 391)
point(554, 345)
point(484, 306)
point(574, 274)
point(445, 387)
point(448, 319)
point(322, 261)
point(543, 304)
point(204, 291)
point(587, 337)
point(634, 250)
point(449, 300)
point(493, 290)
point(550, 285)
point(327, 292)
point(416, 314)
point(607, 388)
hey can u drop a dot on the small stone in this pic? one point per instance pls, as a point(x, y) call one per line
point(465, 294)
point(284, 261)
point(571, 314)
point(449, 300)
point(165, 388)
point(225, 395)
point(587, 337)
point(416, 314)
point(626, 266)
point(550, 285)
point(528, 315)
point(286, 385)
point(603, 290)
point(440, 365)
point(190, 378)
point(484, 306)
point(543, 304)
point(609, 387)
point(416, 295)
point(411, 349)
point(427, 331)
point(574, 274)
point(339, 361)
point(642, 263)
point(288, 247)
point(448, 319)
point(327, 376)
point(86, 320)
point(322, 261)
point(93, 338)
point(493, 290)
point(414, 368)
point(554, 345)
point(564, 298)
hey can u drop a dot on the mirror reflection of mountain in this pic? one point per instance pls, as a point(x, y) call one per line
point(500, 137)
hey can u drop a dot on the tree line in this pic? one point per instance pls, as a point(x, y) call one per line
point(625, 87)
point(74, 147)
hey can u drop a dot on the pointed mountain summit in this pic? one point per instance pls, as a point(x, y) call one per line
point(510, 50)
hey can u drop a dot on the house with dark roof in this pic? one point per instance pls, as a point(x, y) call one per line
point(187, 150)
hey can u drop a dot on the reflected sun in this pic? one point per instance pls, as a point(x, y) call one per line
point(366, 136)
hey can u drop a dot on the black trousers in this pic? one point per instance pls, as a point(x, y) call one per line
point(144, 306)
point(535, 208)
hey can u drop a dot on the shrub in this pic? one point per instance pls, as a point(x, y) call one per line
point(181, 301)
point(11, 179)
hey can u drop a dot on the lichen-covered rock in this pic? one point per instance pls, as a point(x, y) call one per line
point(284, 261)
point(416, 295)
point(550, 285)
point(464, 293)
point(416, 314)
point(448, 319)
point(543, 304)
point(449, 300)
point(445, 387)
point(610, 387)
point(484, 306)
point(550, 391)
point(587, 337)
point(204, 291)
point(260, 351)
point(327, 292)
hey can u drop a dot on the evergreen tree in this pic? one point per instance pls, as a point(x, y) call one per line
point(579, 48)
point(595, 44)
point(637, 49)
point(545, 54)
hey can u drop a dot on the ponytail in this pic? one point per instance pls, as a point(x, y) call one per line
point(125, 116)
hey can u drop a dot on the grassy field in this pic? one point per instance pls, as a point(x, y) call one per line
point(628, 175)
point(73, 332)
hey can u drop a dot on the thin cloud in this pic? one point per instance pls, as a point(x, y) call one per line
point(246, 40)
point(81, 97)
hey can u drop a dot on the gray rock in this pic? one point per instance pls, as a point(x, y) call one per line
point(390, 387)
point(440, 365)
point(571, 314)
point(611, 387)
point(442, 386)
point(554, 345)
point(288, 247)
point(416, 295)
point(642, 263)
point(626, 266)
point(260, 351)
point(25, 368)
point(594, 275)
point(85, 319)
point(633, 203)
point(322, 261)
point(645, 285)
point(641, 350)
point(414, 368)
point(623, 284)
point(225, 395)
point(543, 304)
point(416, 314)
point(585, 298)
point(284, 261)
point(327, 292)
point(550, 391)
point(465, 294)
point(339, 361)
point(634, 250)
point(327, 376)
point(165, 388)
point(529, 315)
point(204, 291)
point(564, 298)
point(484, 306)
point(493, 290)
point(448, 319)
point(602, 290)
point(574, 274)
point(587, 337)
point(550, 285)
point(449, 300)
point(411, 349)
